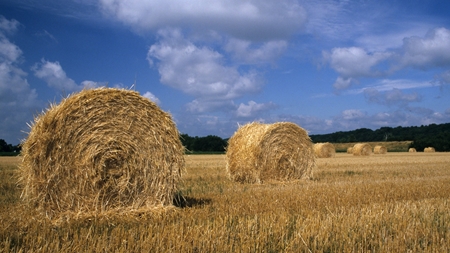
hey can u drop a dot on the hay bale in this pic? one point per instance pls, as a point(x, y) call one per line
point(362, 149)
point(324, 150)
point(259, 152)
point(379, 150)
point(350, 150)
point(101, 150)
point(412, 150)
point(429, 149)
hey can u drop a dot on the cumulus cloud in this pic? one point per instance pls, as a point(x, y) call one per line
point(253, 109)
point(17, 99)
point(433, 50)
point(199, 71)
point(151, 97)
point(352, 63)
point(253, 19)
point(8, 26)
point(55, 77)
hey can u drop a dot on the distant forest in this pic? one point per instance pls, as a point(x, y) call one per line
point(437, 136)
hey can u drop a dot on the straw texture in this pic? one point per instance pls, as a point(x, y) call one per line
point(101, 150)
point(324, 150)
point(362, 149)
point(429, 149)
point(261, 152)
point(412, 150)
point(379, 150)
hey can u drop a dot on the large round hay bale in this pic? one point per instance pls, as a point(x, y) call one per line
point(324, 150)
point(362, 149)
point(101, 150)
point(350, 150)
point(261, 152)
point(429, 149)
point(412, 150)
point(379, 149)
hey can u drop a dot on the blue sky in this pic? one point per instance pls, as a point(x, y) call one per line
point(326, 65)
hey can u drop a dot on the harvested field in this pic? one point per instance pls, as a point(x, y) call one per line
point(397, 202)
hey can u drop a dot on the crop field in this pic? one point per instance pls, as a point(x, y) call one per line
point(396, 202)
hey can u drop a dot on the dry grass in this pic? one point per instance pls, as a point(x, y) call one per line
point(99, 151)
point(324, 150)
point(261, 152)
point(397, 202)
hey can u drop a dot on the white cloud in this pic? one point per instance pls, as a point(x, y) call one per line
point(355, 61)
point(199, 71)
point(433, 50)
point(253, 19)
point(253, 109)
point(55, 76)
point(352, 63)
point(151, 97)
point(8, 26)
point(243, 51)
point(353, 114)
point(9, 52)
point(17, 100)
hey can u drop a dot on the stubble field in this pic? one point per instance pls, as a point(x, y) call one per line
point(397, 202)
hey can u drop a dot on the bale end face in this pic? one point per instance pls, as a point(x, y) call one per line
point(101, 150)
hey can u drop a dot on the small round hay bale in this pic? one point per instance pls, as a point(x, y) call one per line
point(362, 149)
point(429, 149)
point(101, 150)
point(324, 150)
point(412, 150)
point(350, 150)
point(379, 150)
point(259, 152)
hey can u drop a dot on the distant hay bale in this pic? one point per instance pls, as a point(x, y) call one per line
point(379, 150)
point(429, 149)
point(362, 149)
point(101, 150)
point(412, 150)
point(259, 152)
point(324, 150)
point(350, 150)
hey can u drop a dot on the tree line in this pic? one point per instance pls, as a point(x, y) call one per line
point(433, 135)
point(6, 148)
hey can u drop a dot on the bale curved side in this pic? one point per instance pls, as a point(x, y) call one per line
point(362, 149)
point(350, 150)
point(324, 150)
point(259, 152)
point(412, 150)
point(379, 149)
point(101, 150)
point(429, 149)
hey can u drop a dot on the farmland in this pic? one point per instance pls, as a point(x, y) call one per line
point(397, 202)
